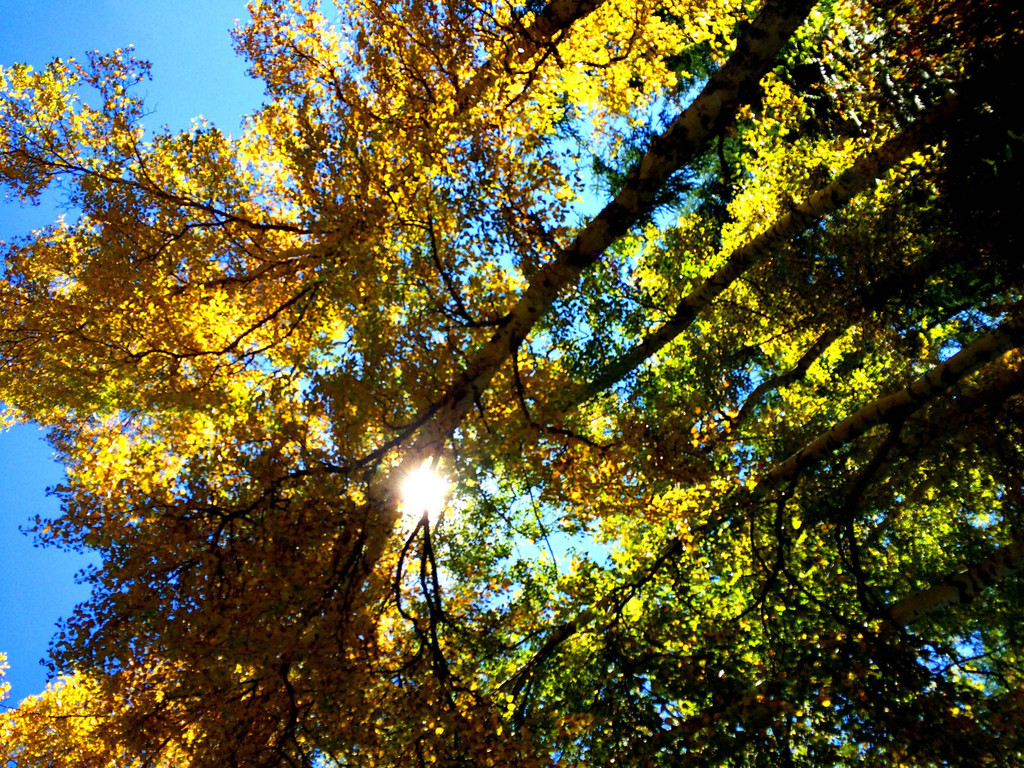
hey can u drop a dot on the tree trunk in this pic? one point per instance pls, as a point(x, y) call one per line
point(962, 586)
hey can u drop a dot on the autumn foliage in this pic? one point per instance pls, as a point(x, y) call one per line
point(709, 311)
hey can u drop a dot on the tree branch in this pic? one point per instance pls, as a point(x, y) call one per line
point(557, 16)
point(892, 407)
point(871, 298)
point(730, 86)
point(957, 588)
point(824, 202)
point(898, 405)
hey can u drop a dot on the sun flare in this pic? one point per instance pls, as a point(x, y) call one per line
point(424, 490)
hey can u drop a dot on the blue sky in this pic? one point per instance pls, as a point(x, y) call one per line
point(195, 72)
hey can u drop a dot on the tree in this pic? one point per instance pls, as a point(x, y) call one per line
point(735, 461)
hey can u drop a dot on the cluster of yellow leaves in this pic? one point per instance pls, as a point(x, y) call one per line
point(614, 63)
point(73, 723)
point(5, 687)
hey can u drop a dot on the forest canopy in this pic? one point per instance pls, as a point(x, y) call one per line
point(700, 322)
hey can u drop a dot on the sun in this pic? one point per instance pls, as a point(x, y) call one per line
point(424, 491)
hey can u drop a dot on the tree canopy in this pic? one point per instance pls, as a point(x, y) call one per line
point(707, 312)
